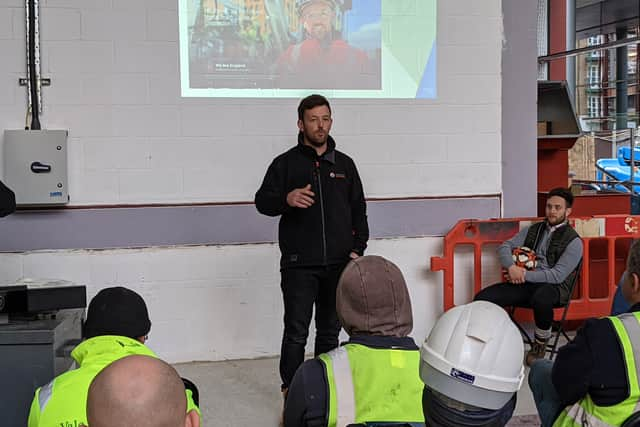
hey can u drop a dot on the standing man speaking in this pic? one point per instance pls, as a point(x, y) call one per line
point(318, 194)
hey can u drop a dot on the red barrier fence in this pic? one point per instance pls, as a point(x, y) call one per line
point(606, 240)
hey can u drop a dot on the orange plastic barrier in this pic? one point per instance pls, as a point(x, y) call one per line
point(606, 240)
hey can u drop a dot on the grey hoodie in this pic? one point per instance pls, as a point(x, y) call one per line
point(372, 298)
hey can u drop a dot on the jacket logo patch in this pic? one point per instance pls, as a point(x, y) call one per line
point(337, 175)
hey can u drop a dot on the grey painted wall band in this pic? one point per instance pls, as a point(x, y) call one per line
point(128, 227)
point(519, 108)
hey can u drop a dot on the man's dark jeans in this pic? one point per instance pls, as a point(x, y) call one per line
point(541, 297)
point(301, 289)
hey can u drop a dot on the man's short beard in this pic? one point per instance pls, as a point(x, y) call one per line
point(315, 142)
point(560, 221)
point(325, 41)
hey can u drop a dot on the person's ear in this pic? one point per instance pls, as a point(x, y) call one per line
point(192, 419)
point(300, 126)
point(635, 283)
point(568, 212)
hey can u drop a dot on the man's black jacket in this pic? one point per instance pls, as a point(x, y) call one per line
point(592, 363)
point(336, 224)
point(7, 200)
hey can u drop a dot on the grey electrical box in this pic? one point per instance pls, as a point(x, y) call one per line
point(35, 166)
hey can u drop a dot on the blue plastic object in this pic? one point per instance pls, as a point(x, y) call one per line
point(624, 155)
point(619, 169)
point(620, 305)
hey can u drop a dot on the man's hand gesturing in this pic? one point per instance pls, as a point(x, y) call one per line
point(301, 197)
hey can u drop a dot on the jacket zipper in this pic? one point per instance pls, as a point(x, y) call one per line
point(324, 236)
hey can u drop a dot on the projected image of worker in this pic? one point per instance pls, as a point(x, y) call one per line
point(288, 48)
point(285, 44)
point(322, 57)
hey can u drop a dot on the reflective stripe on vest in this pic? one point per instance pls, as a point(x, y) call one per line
point(373, 385)
point(586, 412)
point(45, 394)
point(344, 386)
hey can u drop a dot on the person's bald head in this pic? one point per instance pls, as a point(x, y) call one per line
point(139, 390)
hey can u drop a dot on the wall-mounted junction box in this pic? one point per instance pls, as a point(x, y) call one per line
point(35, 166)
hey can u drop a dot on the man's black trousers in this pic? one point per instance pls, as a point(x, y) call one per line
point(541, 297)
point(301, 289)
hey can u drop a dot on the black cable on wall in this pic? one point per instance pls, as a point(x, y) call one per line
point(31, 52)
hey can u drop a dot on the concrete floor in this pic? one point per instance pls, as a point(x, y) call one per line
point(240, 393)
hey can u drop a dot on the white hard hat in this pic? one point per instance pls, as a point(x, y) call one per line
point(474, 355)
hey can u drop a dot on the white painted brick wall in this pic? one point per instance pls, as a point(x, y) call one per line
point(137, 184)
point(206, 120)
point(162, 25)
point(60, 24)
point(130, 89)
point(481, 149)
point(66, 91)
point(145, 4)
point(133, 139)
point(146, 56)
point(7, 89)
point(112, 24)
point(96, 121)
point(97, 187)
point(164, 88)
point(78, 4)
point(146, 121)
point(78, 57)
point(217, 302)
point(118, 153)
point(6, 23)
point(13, 58)
point(114, 66)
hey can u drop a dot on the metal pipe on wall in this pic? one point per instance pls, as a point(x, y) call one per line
point(588, 49)
point(632, 145)
point(33, 62)
point(621, 81)
point(571, 44)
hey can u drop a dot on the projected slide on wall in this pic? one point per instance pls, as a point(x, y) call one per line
point(286, 48)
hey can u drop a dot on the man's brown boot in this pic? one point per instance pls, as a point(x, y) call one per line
point(537, 352)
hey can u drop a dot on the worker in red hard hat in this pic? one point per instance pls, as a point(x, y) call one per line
point(322, 60)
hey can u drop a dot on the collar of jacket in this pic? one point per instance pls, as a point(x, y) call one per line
point(329, 155)
point(108, 347)
point(552, 228)
point(384, 342)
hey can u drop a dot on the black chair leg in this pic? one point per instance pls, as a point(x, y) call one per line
point(523, 332)
point(552, 348)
